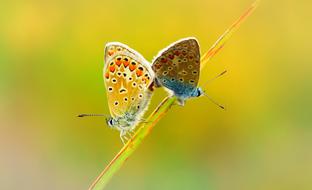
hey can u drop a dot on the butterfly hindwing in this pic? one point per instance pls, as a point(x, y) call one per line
point(177, 67)
point(127, 76)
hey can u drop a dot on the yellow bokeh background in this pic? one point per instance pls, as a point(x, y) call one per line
point(51, 59)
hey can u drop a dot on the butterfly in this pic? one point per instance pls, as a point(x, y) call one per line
point(128, 78)
point(177, 68)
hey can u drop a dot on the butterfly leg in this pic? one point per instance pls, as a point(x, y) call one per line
point(123, 137)
point(143, 121)
point(181, 102)
point(157, 84)
point(129, 134)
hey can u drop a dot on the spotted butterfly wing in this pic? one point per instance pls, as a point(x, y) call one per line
point(177, 68)
point(127, 77)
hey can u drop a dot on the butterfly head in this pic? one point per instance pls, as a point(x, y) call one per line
point(110, 122)
point(198, 92)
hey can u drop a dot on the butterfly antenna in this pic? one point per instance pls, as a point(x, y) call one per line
point(88, 115)
point(214, 78)
point(215, 102)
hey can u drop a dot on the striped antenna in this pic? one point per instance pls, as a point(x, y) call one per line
point(92, 115)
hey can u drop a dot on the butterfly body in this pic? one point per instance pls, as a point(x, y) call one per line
point(127, 77)
point(177, 68)
point(129, 120)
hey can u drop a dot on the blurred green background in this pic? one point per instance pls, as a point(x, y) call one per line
point(51, 70)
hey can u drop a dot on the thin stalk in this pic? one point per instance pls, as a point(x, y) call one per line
point(145, 128)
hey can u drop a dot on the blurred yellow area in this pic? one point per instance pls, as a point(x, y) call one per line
point(51, 59)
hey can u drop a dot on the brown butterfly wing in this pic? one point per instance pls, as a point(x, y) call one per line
point(179, 63)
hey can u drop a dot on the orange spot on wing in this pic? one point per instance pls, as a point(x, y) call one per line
point(126, 63)
point(171, 56)
point(157, 66)
point(163, 60)
point(107, 75)
point(139, 73)
point(118, 63)
point(132, 67)
point(177, 53)
point(112, 68)
point(110, 53)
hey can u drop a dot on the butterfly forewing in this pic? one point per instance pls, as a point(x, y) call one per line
point(178, 65)
point(127, 76)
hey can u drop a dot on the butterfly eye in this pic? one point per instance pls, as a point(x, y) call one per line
point(110, 122)
point(140, 87)
point(111, 63)
point(190, 66)
point(169, 68)
point(118, 58)
point(164, 81)
point(130, 78)
point(132, 98)
point(118, 48)
point(194, 72)
point(134, 84)
point(133, 63)
point(126, 99)
point(114, 80)
point(165, 72)
point(110, 89)
point(172, 79)
point(119, 74)
point(140, 95)
point(141, 68)
point(125, 75)
point(138, 107)
point(181, 79)
point(192, 81)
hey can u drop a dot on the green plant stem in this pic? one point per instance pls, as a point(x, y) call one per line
point(145, 128)
point(133, 143)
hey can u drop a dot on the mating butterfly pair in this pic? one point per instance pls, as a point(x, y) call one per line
point(129, 79)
